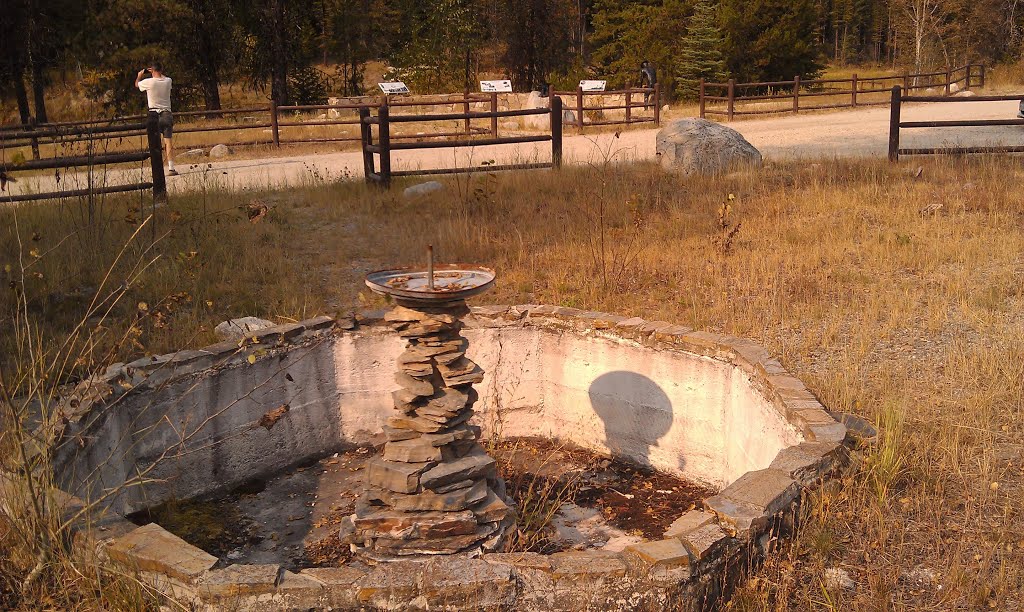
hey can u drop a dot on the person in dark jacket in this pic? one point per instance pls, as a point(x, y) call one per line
point(648, 78)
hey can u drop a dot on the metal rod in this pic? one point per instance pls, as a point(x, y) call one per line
point(473, 169)
point(430, 267)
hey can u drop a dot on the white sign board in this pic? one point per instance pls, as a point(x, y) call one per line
point(395, 87)
point(593, 85)
point(504, 86)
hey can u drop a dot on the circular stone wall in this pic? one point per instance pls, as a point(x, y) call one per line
point(707, 407)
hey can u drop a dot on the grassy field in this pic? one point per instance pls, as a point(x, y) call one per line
point(894, 296)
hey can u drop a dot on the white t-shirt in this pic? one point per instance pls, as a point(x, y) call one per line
point(158, 92)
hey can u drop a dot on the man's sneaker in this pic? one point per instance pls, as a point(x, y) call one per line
point(172, 172)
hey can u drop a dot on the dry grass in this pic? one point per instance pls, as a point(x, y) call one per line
point(893, 297)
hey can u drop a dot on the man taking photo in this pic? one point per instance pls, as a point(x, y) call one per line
point(158, 97)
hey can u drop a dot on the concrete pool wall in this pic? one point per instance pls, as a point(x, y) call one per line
point(704, 406)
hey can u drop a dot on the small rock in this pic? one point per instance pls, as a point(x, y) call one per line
point(333, 113)
point(568, 117)
point(857, 427)
point(954, 88)
point(221, 150)
point(322, 116)
point(921, 576)
point(836, 579)
point(422, 189)
point(193, 153)
point(235, 555)
point(965, 94)
point(236, 329)
point(664, 108)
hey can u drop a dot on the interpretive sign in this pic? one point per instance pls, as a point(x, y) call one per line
point(593, 85)
point(502, 86)
point(394, 87)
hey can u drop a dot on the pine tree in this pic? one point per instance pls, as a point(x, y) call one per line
point(626, 33)
point(772, 40)
point(701, 52)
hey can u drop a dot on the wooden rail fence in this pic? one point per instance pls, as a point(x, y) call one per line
point(273, 118)
point(798, 89)
point(641, 102)
point(91, 160)
point(896, 124)
point(383, 146)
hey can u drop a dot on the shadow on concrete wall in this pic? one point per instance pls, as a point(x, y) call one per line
point(635, 411)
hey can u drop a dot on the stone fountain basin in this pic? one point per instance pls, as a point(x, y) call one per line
point(706, 407)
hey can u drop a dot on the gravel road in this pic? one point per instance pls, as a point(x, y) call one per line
point(853, 133)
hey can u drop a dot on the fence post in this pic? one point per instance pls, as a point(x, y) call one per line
point(494, 119)
point(906, 80)
point(366, 138)
point(894, 124)
point(579, 108)
point(156, 157)
point(384, 132)
point(35, 141)
point(657, 104)
point(949, 77)
point(465, 109)
point(796, 94)
point(981, 84)
point(853, 90)
point(732, 98)
point(702, 85)
point(629, 98)
point(273, 123)
point(556, 132)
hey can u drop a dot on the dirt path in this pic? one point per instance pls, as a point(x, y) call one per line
point(858, 133)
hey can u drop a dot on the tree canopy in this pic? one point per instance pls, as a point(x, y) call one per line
point(283, 47)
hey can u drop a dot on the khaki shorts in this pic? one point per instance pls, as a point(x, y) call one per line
point(165, 121)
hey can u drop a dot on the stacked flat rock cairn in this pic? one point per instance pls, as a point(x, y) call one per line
point(434, 490)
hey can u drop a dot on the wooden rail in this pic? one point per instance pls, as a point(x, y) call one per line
point(154, 153)
point(896, 124)
point(31, 134)
point(580, 108)
point(854, 88)
point(383, 148)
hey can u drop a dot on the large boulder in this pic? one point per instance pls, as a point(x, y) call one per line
point(537, 122)
point(221, 150)
point(699, 146)
point(535, 100)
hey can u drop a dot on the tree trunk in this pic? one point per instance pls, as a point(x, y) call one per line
point(211, 87)
point(39, 91)
point(208, 62)
point(279, 65)
point(208, 77)
point(22, 96)
point(35, 64)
